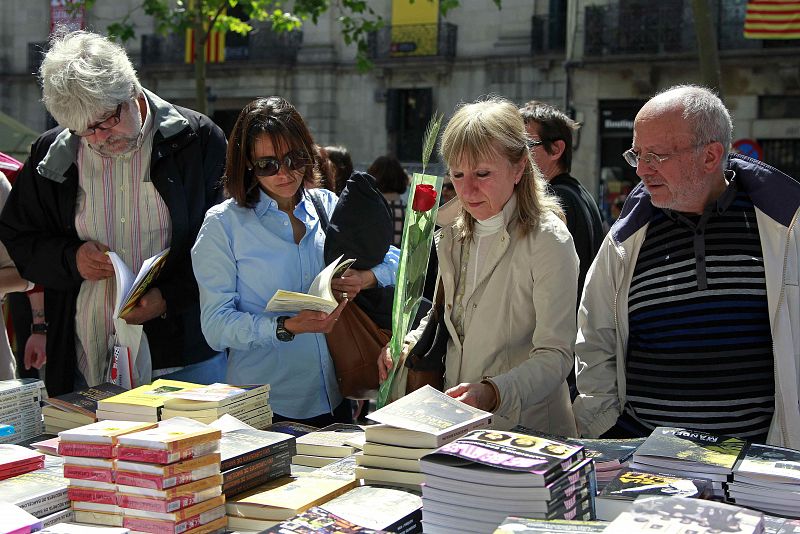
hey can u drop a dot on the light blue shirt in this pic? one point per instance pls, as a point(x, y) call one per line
point(241, 257)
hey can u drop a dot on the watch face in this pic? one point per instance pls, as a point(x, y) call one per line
point(280, 331)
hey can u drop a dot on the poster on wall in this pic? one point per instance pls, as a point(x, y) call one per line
point(64, 15)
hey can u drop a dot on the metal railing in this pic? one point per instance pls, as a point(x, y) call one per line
point(646, 27)
point(413, 40)
point(261, 45)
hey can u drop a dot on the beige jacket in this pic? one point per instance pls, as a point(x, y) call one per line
point(521, 325)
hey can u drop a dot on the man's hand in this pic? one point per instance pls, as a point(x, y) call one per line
point(35, 351)
point(93, 263)
point(150, 306)
point(385, 364)
point(351, 282)
point(308, 321)
point(479, 395)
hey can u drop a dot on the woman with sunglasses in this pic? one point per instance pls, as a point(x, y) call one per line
point(267, 236)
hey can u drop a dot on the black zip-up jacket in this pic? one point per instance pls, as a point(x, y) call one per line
point(37, 227)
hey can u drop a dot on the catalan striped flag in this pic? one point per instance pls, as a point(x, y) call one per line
point(215, 47)
point(772, 19)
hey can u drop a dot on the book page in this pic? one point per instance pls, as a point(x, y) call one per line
point(321, 285)
point(124, 277)
point(319, 296)
point(129, 287)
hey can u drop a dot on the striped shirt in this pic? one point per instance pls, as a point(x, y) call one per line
point(398, 209)
point(118, 206)
point(699, 353)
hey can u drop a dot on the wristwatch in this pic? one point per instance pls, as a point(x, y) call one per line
point(38, 328)
point(280, 331)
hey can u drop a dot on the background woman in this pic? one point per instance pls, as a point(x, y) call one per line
point(509, 273)
point(392, 181)
point(266, 237)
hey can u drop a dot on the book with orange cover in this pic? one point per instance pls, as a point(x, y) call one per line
point(172, 499)
point(161, 477)
point(171, 435)
point(97, 439)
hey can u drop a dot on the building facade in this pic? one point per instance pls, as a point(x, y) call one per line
point(599, 60)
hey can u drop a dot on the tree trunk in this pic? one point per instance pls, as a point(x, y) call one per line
point(707, 45)
point(200, 37)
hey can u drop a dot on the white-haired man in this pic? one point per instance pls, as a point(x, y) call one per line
point(124, 171)
point(689, 316)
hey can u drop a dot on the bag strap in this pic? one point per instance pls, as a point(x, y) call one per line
point(321, 213)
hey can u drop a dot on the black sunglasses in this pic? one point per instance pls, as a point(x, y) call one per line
point(105, 124)
point(270, 166)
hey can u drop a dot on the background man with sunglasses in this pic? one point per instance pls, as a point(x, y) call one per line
point(124, 171)
point(689, 316)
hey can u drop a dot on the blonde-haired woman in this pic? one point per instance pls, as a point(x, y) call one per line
point(509, 271)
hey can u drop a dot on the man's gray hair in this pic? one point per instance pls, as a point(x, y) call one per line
point(85, 75)
point(710, 119)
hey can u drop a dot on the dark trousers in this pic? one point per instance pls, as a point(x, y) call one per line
point(20, 311)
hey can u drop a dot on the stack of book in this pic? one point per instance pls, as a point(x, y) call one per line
point(620, 493)
point(77, 408)
point(168, 478)
point(781, 525)
point(89, 466)
point(41, 493)
point(611, 456)
point(326, 445)
point(409, 428)
point(16, 460)
point(21, 409)
point(362, 509)
point(281, 499)
point(249, 404)
point(473, 483)
point(684, 515)
point(690, 454)
point(767, 478)
point(251, 457)
point(141, 404)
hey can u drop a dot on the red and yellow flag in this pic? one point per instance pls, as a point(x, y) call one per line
point(772, 19)
point(215, 44)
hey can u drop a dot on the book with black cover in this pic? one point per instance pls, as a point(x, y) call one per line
point(293, 428)
point(769, 465)
point(502, 458)
point(239, 447)
point(81, 403)
point(618, 495)
point(689, 451)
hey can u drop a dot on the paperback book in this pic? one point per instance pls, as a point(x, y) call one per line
point(319, 297)
point(96, 439)
point(329, 441)
point(424, 418)
point(80, 406)
point(130, 287)
point(516, 525)
point(144, 400)
point(213, 396)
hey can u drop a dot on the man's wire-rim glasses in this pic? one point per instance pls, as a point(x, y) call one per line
point(651, 158)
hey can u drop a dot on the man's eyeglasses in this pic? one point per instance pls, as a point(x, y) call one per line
point(651, 158)
point(105, 124)
point(270, 166)
point(532, 143)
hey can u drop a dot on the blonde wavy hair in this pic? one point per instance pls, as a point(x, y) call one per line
point(487, 129)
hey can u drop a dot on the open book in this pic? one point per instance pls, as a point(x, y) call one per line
point(130, 288)
point(319, 296)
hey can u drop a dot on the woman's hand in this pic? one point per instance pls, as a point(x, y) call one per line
point(385, 364)
point(351, 282)
point(477, 394)
point(308, 321)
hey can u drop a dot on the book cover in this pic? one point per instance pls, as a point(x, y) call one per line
point(329, 441)
point(502, 458)
point(15, 457)
point(293, 428)
point(130, 287)
point(424, 418)
point(618, 495)
point(386, 462)
point(83, 402)
point(147, 399)
point(255, 479)
point(680, 514)
point(284, 498)
point(240, 406)
point(319, 520)
point(14, 519)
point(62, 516)
point(209, 520)
point(341, 469)
point(513, 525)
point(171, 500)
point(213, 396)
point(379, 508)
point(160, 456)
point(690, 450)
point(393, 451)
point(161, 477)
point(40, 492)
point(769, 464)
point(319, 296)
point(269, 467)
point(171, 435)
point(239, 447)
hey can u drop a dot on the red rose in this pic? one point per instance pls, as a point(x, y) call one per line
point(424, 198)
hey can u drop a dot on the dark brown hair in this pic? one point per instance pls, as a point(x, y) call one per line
point(342, 164)
point(277, 118)
point(554, 125)
point(389, 175)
